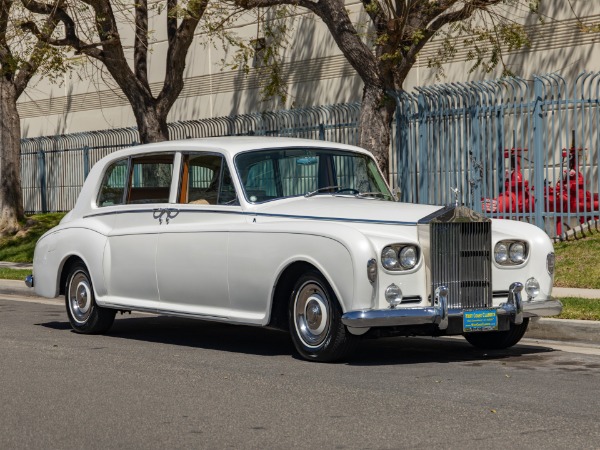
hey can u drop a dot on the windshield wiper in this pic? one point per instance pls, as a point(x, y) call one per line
point(310, 194)
point(371, 194)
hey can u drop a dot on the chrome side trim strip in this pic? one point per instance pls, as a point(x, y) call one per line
point(172, 206)
point(334, 219)
point(167, 312)
point(253, 214)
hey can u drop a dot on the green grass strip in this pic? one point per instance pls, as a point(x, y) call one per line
point(580, 308)
point(14, 274)
point(19, 248)
point(578, 263)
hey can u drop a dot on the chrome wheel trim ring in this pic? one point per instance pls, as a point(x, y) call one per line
point(80, 297)
point(312, 314)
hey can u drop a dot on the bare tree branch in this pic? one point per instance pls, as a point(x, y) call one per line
point(5, 53)
point(70, 38)
point(179, 45)
point(140, 45)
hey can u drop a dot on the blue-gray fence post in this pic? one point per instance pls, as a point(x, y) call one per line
point(42, 179)
point(423, 192)
point(86, 161)
point(500, 117)
point(400, 150)
point(321, 132)
point(538, 152)
point(475, 155)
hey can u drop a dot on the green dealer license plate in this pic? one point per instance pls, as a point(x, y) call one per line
point(480, 320)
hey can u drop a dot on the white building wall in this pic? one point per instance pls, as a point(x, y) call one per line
point(315, 69)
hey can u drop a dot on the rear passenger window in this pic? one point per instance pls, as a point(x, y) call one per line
point(150, 179)
point(143, 179)
point(112, 191)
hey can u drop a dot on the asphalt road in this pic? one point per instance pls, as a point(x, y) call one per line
point(157, 382)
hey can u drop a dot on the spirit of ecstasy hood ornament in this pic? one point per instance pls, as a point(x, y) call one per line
point(456, 192)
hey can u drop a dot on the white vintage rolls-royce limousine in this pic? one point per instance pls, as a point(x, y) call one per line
point(299, 235)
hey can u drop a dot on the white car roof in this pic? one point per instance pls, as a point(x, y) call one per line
point(231, 145)
point(228, 146)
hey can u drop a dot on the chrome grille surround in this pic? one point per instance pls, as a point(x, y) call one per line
point(457, 244)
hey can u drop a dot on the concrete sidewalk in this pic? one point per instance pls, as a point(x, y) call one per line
point(561, 292)
point(12, 265)
point(581, 331)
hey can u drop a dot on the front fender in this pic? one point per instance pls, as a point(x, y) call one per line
point(258, 258)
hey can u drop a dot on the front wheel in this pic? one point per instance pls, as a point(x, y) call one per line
point(84, 314)
point(497, 340)
point(315, 319)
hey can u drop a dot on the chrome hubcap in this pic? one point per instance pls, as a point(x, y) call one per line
point(80, 297)
point(311, 314)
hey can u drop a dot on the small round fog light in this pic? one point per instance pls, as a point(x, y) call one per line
point(393, 295)
point(532, 287)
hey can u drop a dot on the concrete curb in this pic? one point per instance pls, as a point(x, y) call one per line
point(16, 287)
point(584, 331)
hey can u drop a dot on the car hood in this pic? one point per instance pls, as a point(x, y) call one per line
point(329, 207)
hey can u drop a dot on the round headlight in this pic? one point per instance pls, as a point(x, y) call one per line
point(389, 258)
point(408, 257)
point(517, 252)
point(532, 287)
point(393, 295)
point(501, 252)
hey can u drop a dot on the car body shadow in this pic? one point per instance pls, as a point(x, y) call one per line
point(266, 342)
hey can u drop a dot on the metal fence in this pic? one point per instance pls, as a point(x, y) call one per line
point(54, 168)
point(510, 148)
point(524, 149)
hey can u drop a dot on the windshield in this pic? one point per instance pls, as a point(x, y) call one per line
point(272, 174)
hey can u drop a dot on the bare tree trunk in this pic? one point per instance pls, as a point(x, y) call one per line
point(375, 125)
point(152, 124)
point(11, 197)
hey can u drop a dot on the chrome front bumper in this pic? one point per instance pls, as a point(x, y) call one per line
point(438, 314)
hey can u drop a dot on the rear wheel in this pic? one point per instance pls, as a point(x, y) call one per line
point(315, 319)
point(496, 340)
point(84, 314)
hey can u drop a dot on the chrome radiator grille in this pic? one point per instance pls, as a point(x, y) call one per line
point(461, 261)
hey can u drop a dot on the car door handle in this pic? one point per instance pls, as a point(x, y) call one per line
point(171, 213)
point(158, 213)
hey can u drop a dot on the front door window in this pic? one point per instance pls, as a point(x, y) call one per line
point(206, 180)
